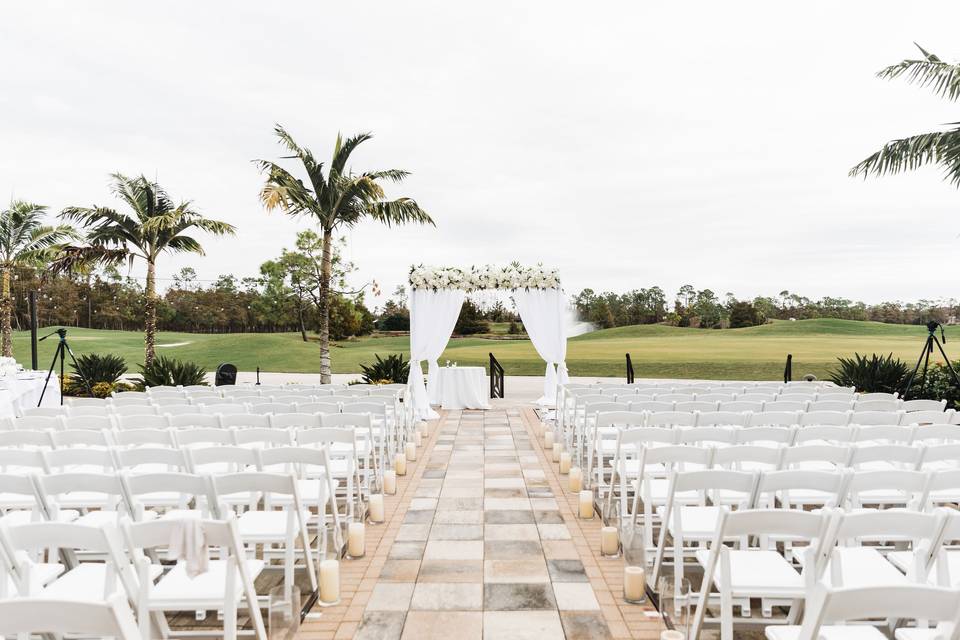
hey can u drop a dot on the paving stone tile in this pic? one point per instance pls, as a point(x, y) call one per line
point(418, 517)
point(495, 532)
point(443, 625)
point(518, 597)
point(381, 625)
point(458, 517)
point(456, 532)
point(400, 570)
point(506, 549)
point(548, 517)
point(530, 569)
point(463, 596)
point(406, 550)
point(575, 596)
point(391, 596)
point(567, 571)
point(454, 550)
point(413, 532)
point(554, 531)
point(578, 625)
point(451, 571)
point(508, 517)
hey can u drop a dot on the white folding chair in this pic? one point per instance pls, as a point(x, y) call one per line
point(923, 405)
point(918, 602)
point(245, 421)
point(695, 524)
point(774, 419)
point(171, 494)
point(109, 618)
point(825, 418)
point(150, 459)
point(721, 419)
point(280, 521)
point(785, 405)
point(125, 423)
point(341, 446)
point(745, 572)
point(194, 420)
point(228, 580)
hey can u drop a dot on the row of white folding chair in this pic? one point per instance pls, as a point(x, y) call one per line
point(364, 416)
point(96, 499)
point(697, 501)
point(641, 469)
point(727, 395)
point(350, 437)
point(332, 452)
point(834, 558)
point(127, 573)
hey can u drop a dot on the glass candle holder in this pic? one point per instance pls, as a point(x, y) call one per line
point(634, 564)
point(675, 600)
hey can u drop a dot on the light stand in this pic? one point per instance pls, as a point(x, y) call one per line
point(925, 358)
point(62, 349)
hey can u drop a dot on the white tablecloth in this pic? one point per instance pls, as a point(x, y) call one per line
point(22, 391)
point(463, 388)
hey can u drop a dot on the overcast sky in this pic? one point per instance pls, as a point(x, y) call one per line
point(626, 144)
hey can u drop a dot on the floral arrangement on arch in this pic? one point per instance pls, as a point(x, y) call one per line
point(483, 278)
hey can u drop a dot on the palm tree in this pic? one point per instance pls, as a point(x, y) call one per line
point(25, 243)
point(941, 148)
point(336, 199)
point(156, 226)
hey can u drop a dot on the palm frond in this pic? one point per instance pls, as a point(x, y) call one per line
point(342, 150)
point(71, 259)
point(930, 72)
point(393, 175)
point(185, 244)
point(400, 211)
point(897, 156)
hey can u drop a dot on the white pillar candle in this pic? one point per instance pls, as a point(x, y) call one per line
point(390, 481)
point(672, 634)
point(400, 464)
point(329, 581)
point(634, 582)
point(609, 541)
point(376, 507)
point(424, 428)
point(356, 540)
point(586, 504)
point(557, 450)
point(411, 450)
point(548, 440)
point(576, 479)
point(564, 462)
point(418, 438)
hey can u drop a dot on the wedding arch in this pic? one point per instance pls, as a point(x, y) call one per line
point(436, 295)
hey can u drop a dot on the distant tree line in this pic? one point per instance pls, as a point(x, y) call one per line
point(703, 308)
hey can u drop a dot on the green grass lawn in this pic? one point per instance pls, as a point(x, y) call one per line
point(657, 351)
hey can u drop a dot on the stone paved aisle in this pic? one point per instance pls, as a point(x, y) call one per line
point(484, 543)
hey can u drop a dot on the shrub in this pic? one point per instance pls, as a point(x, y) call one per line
point(167, 371)
point(939, 385)
point(394, 322)
point(391, 369)
point(515, 328)
point(876, 374)
point(745, 314)
point(471, 320)
point(100, 368)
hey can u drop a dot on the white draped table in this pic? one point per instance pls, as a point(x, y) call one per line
point(462, 388)
point(21, 391)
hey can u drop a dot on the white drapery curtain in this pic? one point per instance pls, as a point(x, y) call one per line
point(433, 315)
point(543, 312)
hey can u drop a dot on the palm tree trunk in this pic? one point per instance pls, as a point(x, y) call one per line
point(325, 268)
point(150, 322)
point(6, 306)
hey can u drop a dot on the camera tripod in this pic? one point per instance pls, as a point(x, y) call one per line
point(62, 350)
point(925, 358)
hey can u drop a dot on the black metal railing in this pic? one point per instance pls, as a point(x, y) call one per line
point(788, 369)
point(629, 370)
point(496, 378)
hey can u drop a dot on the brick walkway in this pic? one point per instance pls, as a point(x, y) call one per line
point(482, 541)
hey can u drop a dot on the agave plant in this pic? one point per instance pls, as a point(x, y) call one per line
point(873, 374)
point(97, 367)
point(166, 371)
point(387, 370)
